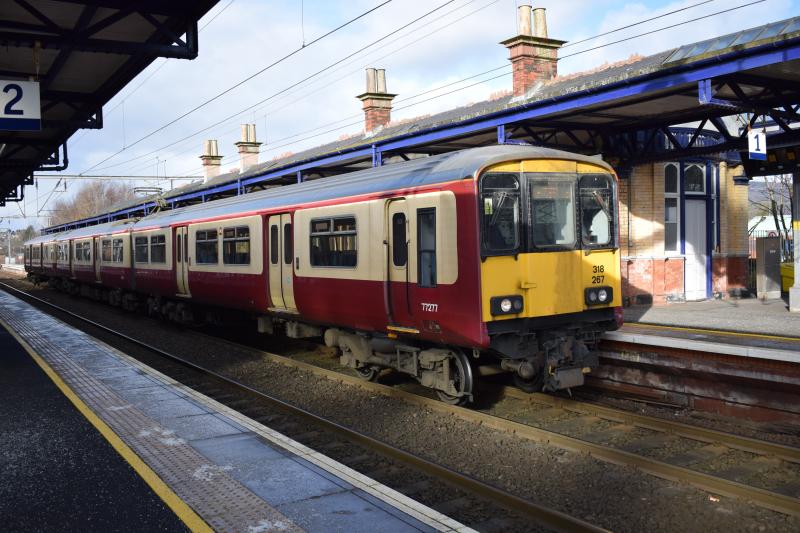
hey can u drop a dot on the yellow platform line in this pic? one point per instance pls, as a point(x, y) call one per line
point(173, 501)
point(715, 332)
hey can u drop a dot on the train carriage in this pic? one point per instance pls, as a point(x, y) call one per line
point(503, 253)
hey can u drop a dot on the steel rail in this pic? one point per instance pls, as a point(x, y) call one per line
point(545, 516)
point(711, 436)
point(717, 485)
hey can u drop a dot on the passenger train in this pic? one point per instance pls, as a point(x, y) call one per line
point(432, 266)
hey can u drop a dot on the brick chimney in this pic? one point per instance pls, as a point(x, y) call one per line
point(377, 102)
point(211, 159)
point(248, 147)
point(533, 55)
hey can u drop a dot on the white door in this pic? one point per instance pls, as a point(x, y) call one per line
point(182, 259)
point(281, 263)
point(696, 250)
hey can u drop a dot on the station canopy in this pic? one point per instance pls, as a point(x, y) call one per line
point(82, 53)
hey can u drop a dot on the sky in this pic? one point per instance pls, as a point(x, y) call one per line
point(241, 37)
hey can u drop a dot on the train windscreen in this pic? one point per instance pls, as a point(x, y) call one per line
point(534, 211)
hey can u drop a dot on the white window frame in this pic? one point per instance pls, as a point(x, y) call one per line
point(686, 167)
point(677, 196)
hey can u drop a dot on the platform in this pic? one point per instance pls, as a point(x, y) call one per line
point(175, 448)
point(745, 315)
point(742, 328)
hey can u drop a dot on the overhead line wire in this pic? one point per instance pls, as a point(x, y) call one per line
point(271, 147)
point(639, 23)
point(243, 81)
point(283, 106)
point(663, 28)
point(149, 76)
point(311, 76)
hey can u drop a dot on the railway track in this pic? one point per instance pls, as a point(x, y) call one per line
point(666, 449)
point(761, 472)
point(476, 503)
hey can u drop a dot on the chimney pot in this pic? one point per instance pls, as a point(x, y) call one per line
point(377, 103)
point(539, 23)
point(248, 147)
point(524, 20)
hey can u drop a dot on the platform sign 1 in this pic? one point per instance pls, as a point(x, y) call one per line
point(757, 145)
point(20, 109)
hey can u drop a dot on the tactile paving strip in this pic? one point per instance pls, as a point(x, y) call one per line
point(224, 503)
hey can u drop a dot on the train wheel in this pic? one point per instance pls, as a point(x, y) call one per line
point(533, 384)
point(462, 381)
point(368, 373)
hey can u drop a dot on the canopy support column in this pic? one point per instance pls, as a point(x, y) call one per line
point(794, 292)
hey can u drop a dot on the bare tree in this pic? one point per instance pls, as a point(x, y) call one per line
point(92, 199)
point(22, 236)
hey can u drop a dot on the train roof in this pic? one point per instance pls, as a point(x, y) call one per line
point(414, 173)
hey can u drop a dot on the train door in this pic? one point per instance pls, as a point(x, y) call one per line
point(97, 256)
point(281, 263)
point(182, 259)
point(398, 286)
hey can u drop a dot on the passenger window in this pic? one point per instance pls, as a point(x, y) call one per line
point(236, 246)
point(140, 250)
point(426, 244)
point(178, 248)
point(206, 247)
point(334, 242)
point(273, 244)
point(399, 243)
point(116, 251)
point(158, 249)
point(288, 252)
point(106, 251)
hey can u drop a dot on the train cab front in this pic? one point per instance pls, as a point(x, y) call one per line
point(550, 267)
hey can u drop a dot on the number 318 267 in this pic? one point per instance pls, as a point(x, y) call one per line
point(598, 277)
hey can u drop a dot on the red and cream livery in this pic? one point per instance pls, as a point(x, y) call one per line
point(425, 266)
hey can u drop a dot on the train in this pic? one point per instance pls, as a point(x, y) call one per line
point(501, 256)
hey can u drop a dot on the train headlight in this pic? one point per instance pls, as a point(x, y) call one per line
point(598, 295)
point(506, 305)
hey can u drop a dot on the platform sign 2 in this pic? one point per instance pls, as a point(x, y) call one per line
point(20, 109)
point(757, 145)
